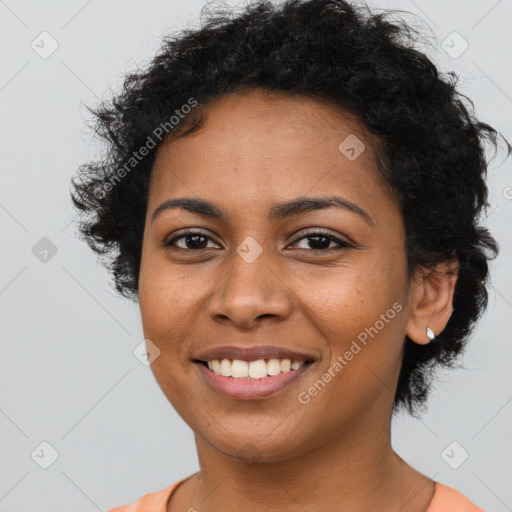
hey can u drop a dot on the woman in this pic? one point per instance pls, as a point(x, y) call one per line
point(292, 195)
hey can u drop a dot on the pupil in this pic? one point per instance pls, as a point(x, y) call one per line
point(322, 246)
point(195, 243)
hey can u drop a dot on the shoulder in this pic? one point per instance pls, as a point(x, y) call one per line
point(447, 499)
point(152, 502)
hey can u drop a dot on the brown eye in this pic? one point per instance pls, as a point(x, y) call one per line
point(190, 240)
point(321, 241)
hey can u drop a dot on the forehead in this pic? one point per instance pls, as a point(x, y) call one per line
point(274, 145)
point(273, 119)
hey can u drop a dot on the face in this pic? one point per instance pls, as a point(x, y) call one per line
point(326, 282)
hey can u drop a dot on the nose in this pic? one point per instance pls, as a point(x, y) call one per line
point(249, 292)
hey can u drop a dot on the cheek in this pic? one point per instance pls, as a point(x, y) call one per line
point(162, 302)
point(344, 301)
point(360, 315)
point(163, 293)
point(170, 302)
point(159, 303)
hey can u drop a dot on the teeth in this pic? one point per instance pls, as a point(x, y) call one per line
point(286, 365)
point(255, 369)
point(215, 366)
point(239, 369)
point(274, 367)
point(225, 367)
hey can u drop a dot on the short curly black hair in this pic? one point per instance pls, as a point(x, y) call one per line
point(432, 147)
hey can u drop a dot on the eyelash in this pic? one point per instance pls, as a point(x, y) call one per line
point(319, 232)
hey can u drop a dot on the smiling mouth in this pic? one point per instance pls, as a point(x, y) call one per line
point(253, 370)
point(252, 380)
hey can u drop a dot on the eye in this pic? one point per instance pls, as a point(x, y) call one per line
point(192, 240)
point(320, 240)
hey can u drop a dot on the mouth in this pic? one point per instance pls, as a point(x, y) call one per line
point(249, 380)
point(258, 369)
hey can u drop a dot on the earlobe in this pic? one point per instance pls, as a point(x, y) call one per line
point(431, 303)
point(430, 334)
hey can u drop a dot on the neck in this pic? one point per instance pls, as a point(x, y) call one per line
point(352, 472)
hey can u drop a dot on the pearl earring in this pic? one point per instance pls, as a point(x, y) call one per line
point(430, 334)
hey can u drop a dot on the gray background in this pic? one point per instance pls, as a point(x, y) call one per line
point(68, 373)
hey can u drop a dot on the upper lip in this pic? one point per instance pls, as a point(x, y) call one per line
point(251, 353)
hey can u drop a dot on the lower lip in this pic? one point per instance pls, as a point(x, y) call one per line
point(251, 389)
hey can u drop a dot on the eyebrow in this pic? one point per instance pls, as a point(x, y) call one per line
point(278, 212)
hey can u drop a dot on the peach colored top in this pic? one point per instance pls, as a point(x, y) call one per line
point(446, 499)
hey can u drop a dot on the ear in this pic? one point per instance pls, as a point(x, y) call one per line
point(431, 300)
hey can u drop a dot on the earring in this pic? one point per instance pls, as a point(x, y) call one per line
point(430, 334)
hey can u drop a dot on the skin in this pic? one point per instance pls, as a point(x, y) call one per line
point(334, 453)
